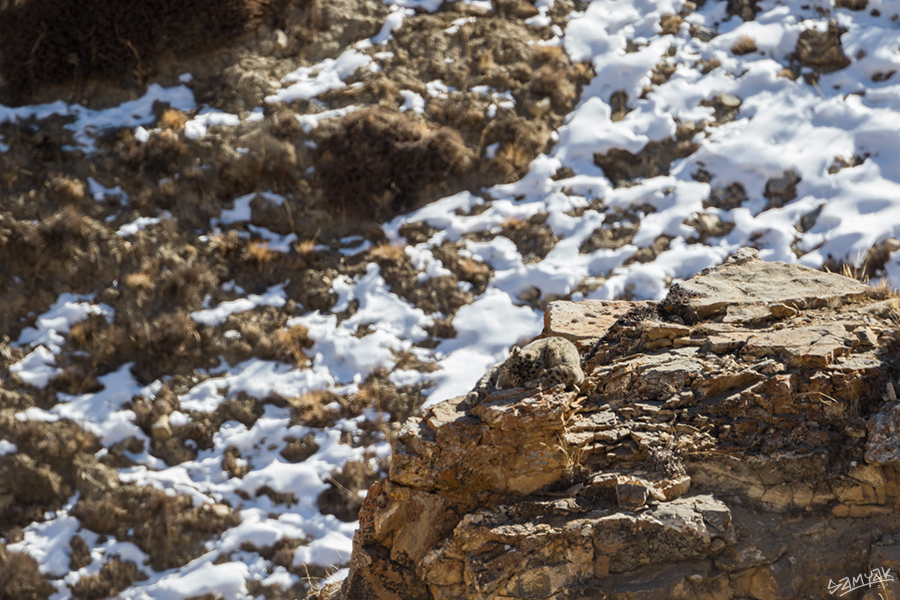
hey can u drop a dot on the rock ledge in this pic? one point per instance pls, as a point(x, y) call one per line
point(740, 439)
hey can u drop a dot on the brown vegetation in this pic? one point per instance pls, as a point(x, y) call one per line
point(744, 45)
point(379, 163)
point(20, 578)
point(342, 498)
point(48, 42)
point(168, 528)
point(114, 576)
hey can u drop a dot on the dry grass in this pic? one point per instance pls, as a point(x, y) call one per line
point(343, 499)
point(670, 24)
point(306, 251)
point(298, 450)
point(553, 81)
point(388, 253)
point(172, 119)
point(260, 253)
point(224, 244)
point(114, 576)
point(20, 578)
point(169, 343)
point(140, 281)
point(309, 409)
point(160, 156)
point(168, 528)
point(66, 189)
point(744, 45)
point(851, 4)
point(56, 443)
point(378, 163)
point(289, 344)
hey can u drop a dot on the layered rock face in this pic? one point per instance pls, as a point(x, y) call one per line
point(740, 439)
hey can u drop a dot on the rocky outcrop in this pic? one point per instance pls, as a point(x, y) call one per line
point(740, 439)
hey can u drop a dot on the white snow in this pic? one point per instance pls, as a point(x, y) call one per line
point(99, 192)
point(412, 101)
point(393, 22)
point(37, 368)
point(88, 122)
point(197, 127)
point(309, 82)
point(51, 327)
point(274, 296)
point(141, 223)
point(241, 210)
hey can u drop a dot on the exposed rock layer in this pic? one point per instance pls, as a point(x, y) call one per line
point(737, 440)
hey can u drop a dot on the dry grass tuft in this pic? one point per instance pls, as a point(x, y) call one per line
point(379, 163)
point(56, 443)
point(289, 344)
point(553, 81)
point(20, 578)
point(161, 156)
point(388, 253)
point(224, 244)
point(172, 119)
point(309, 409)
point(744, 45)
point(851, 4)
point(140, 281)
point(66, 189)
point(114, 576)
point(168, 528)
point(343, 499)
point(670, 24)
point(306, 251)
point(379, 393)
point(259, 253)
point(298, 450)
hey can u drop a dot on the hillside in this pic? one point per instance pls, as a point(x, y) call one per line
point(237, 255)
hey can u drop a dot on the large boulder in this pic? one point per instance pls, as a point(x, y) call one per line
point(736, 440)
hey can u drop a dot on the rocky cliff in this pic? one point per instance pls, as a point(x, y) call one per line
point(740, 439)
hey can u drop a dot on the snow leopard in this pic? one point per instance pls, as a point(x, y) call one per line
point(543, 364)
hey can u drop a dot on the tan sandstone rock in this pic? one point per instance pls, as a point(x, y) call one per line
point(732, 441)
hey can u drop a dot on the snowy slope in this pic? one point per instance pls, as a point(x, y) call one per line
point(831, 136)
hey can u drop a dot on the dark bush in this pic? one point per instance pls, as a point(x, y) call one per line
point(59, 41)
point(378, 164)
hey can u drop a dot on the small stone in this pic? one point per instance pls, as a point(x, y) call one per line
point(704, 34)
point(220, 510)
point(161, 430)
point(674, 488)
point(656, 330)
point(866, 337)
point(631, 495)
point(729, 101)
point(782, 311)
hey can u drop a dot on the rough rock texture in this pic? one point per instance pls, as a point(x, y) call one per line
point(737, 440)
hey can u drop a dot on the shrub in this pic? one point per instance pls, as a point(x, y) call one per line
point(378, 163)
point(52, 42)
point(20, 578)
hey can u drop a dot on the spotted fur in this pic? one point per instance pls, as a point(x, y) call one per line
point(542, 364)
